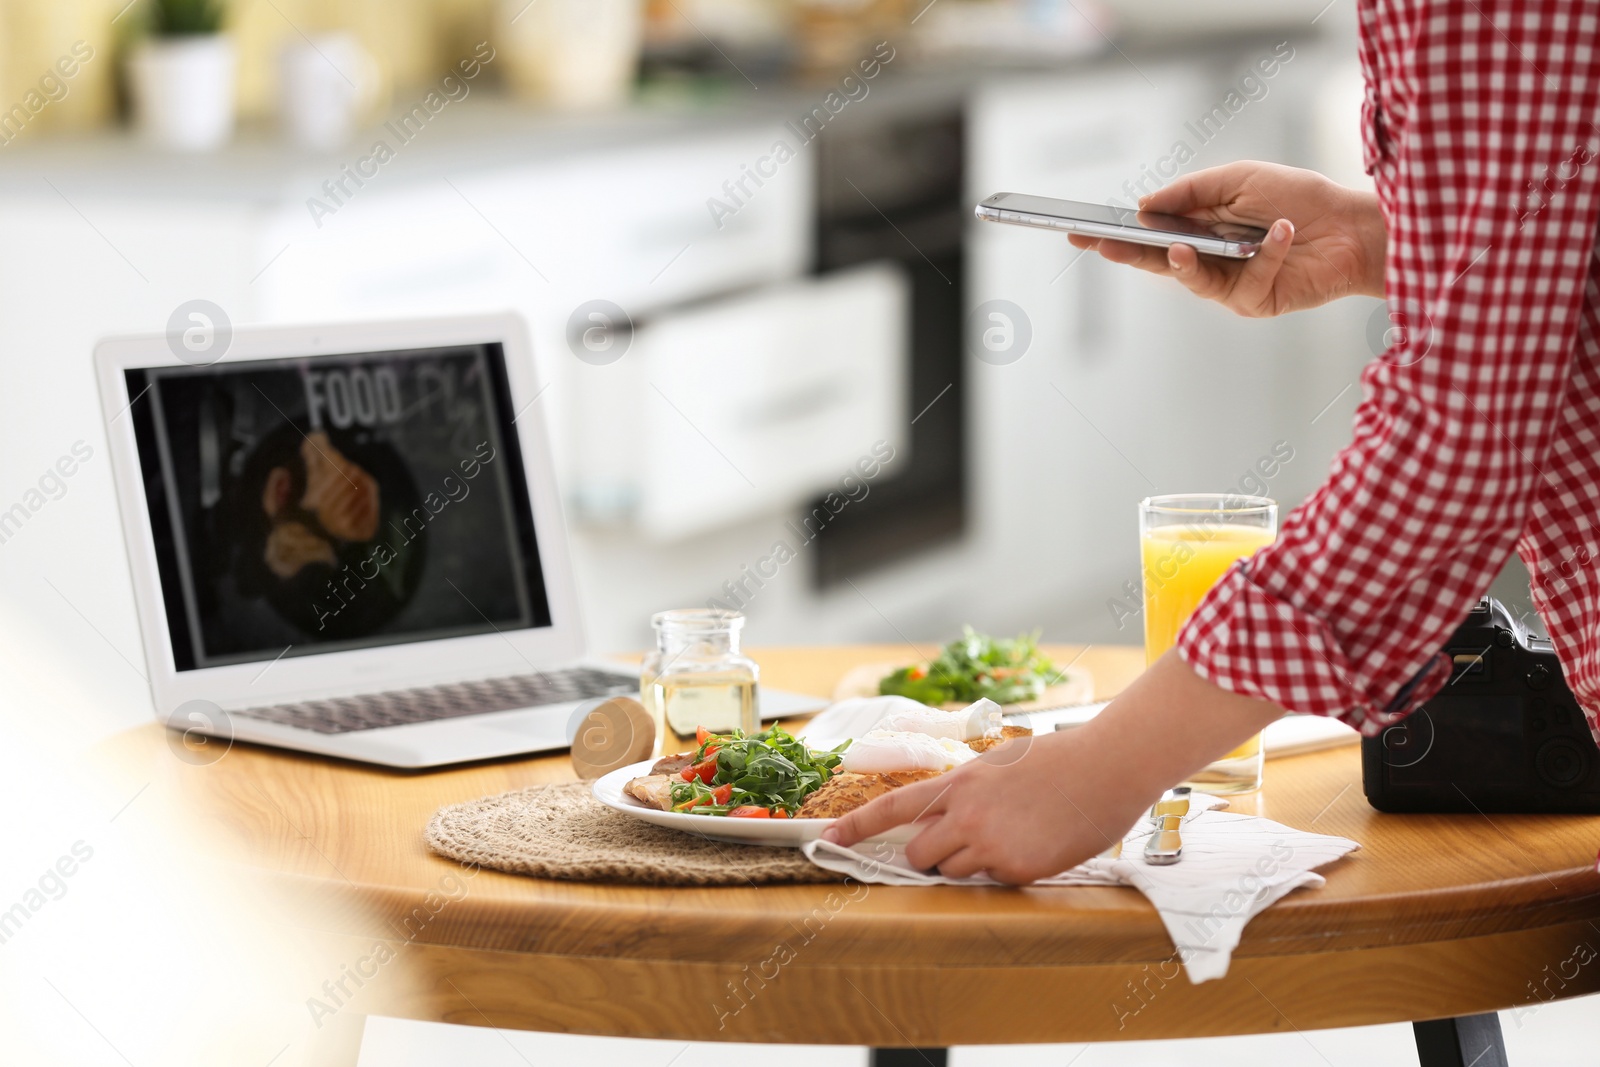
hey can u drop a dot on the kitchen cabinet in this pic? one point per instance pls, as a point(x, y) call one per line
point(734, 346)
point(756, 397)
point(1130, 386)
point(628, 225)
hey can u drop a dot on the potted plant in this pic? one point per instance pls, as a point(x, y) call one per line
point(181, 76)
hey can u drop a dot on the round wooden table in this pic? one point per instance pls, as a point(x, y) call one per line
point(1435, 917)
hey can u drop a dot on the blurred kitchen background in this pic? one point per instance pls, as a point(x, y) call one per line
point(766, 318)
point(727, 329)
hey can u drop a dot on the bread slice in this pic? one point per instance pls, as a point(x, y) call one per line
point(984, 744)
point(848, 790)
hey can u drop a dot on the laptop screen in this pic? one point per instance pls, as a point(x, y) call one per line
point(325, 503)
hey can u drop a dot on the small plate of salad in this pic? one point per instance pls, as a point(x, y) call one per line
point(1013, 672)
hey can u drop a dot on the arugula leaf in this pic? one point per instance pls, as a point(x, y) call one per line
point(771, 769)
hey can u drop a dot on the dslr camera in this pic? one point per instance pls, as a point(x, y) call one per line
point(1505, 735)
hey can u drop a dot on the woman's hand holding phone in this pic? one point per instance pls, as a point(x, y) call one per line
point(1333, 248)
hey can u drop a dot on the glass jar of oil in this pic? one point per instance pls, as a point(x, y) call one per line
point(696, 677)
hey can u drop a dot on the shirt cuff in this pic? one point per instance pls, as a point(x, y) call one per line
point(1244, 639)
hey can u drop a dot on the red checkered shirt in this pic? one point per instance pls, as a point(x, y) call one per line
point(1478, 430)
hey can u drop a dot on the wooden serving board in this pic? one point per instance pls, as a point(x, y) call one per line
point(1076, 688)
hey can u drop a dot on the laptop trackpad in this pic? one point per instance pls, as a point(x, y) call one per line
point(545, 725)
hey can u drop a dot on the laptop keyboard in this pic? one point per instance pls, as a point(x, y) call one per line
point(370, 711)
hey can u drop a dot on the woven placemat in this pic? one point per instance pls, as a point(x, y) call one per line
point(561, 831)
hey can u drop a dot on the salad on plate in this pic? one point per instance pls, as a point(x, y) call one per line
point(775, 775)
point(767, 775)
point(976, 666)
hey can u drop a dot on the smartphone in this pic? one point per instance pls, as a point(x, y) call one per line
point(1230, 239)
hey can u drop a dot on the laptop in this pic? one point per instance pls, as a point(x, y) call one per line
point(348, 540)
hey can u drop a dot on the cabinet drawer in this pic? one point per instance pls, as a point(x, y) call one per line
point(753, 404)
point(629, 225)
point(653, 226)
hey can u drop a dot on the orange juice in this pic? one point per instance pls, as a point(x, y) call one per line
point(1181, 564)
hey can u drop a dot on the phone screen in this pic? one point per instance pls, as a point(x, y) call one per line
point(1108, 215)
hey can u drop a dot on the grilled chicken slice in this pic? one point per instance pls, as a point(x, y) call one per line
point(653, 790)
point(344, 496)
point(291, 546)
point(672, 764)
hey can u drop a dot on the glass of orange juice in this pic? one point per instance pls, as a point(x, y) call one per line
point(1187, 542)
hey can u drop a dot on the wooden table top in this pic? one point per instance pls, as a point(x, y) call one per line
point(1434, 916)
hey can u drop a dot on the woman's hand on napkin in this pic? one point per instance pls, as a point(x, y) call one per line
point(1024, 810)
point(1036, 806)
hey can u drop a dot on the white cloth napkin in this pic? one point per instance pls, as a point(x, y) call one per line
point(1233, 867)
point(1288, 736)
point(854, 717)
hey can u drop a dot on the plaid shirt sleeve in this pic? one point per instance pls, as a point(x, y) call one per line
point(1478, 430)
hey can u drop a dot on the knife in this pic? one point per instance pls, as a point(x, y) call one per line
point(1174, 801)
point(1166, 844)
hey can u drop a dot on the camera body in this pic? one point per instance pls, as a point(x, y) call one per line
point(1505, 735)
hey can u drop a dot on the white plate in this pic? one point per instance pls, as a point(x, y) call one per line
point(786, 833)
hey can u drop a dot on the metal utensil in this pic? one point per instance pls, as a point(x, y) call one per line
point(1174, 801)
point(1165, 845)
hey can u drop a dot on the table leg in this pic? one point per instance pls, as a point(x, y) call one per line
point(908, 1057)
point(1466, 1041)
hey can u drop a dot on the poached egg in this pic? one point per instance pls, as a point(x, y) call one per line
point(886, 751)
point(979, 719)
